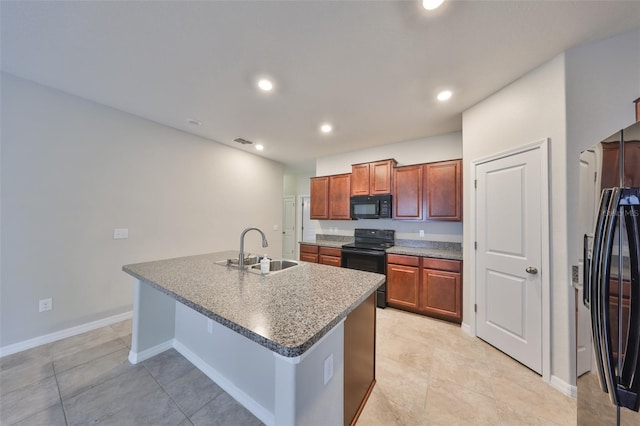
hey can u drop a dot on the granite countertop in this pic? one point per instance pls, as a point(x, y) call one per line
point(286, 311)
point(426, 252)
point(327, 243)
point(439, 250)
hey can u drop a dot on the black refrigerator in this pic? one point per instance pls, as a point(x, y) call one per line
point(608, 378)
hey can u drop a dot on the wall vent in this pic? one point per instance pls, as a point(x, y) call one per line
point(243, 141)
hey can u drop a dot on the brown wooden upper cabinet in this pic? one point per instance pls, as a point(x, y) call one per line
point(431, 191)
point(408, 193)
point(319, 197)
point(339, 196)
point(372, 178)
point(443, 185)
point(330, 197)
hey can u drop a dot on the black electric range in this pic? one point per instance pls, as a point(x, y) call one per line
point(368, 253)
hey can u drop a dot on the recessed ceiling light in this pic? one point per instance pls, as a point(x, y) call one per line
point(445, 95)
point(326, 128)
point(259, 147)
point(431, 4)
point(265, 85)
point(193, 121)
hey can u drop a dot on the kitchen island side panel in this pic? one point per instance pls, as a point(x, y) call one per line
point(277, 389)
point(314, 401)
point(244, 369)
point(153, 322)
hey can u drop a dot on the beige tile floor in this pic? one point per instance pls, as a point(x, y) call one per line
point(428, 373)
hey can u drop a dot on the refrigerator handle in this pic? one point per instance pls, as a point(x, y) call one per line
point(586, 270)
point(594, 285)
point(604, 320)
point(629, 386)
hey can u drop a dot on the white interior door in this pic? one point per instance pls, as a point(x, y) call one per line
point(308, 225)
point(289, 227)
point(508, 255)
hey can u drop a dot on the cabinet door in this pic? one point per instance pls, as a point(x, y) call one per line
point(319, 198)
point(339, 194)
point(443, 184)
point(360, 179)
point(407, 193)
point(402, 286)
point(440, 294)
point(381, 173)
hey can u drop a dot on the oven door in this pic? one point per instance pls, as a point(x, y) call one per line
point(371, 261)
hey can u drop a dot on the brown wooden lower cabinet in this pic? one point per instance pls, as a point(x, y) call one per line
point(359, 358)
point(625, 302)
point(309, 253)
point(425, 285)
point(319, 254)
point(330, 256)
point(403, 284)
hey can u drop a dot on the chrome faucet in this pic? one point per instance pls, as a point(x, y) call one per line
point(241, 255)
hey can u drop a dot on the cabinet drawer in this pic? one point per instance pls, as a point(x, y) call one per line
point(309, 257)
point(401, 259)
point(307, 248)
point(330, 251)
point(441, 264)
point(329, 260)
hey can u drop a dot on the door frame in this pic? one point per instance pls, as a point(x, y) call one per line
point(543, 146)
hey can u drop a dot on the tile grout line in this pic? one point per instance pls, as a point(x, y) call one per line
point(91, 360)
point(55, 376)
point(167, 393)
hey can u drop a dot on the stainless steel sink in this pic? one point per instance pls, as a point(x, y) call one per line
point(252, 264)
point(278, 265)
point(248, 261)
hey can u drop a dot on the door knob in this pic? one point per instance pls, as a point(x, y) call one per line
point(531, 270)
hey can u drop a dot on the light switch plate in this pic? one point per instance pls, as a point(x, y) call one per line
point(120, 233)
point(422, 232)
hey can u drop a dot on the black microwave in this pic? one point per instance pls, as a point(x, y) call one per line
point(371, 207)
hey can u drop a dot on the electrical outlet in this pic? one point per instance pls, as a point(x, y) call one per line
point(120, 233)
point(328, 369)
point(422, 232)
point(45, 305)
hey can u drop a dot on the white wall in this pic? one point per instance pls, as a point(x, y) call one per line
point(603, 79)
point(425, 150)
point(298, 185)
point(576, 100)
point(528, 110)
point(72, 170)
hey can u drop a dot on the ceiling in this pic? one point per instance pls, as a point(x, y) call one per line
point(371, 68)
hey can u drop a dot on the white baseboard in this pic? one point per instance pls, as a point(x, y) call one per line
point(136, 357)
point(563, 387)
point(63, 334)
point(266, 416)
point(467, 329)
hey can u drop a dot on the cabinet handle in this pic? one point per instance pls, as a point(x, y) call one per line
point(531, 270)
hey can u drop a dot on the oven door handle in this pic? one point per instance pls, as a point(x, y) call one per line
point(378, 253)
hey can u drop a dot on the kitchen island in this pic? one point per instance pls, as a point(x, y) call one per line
point(285, 344)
